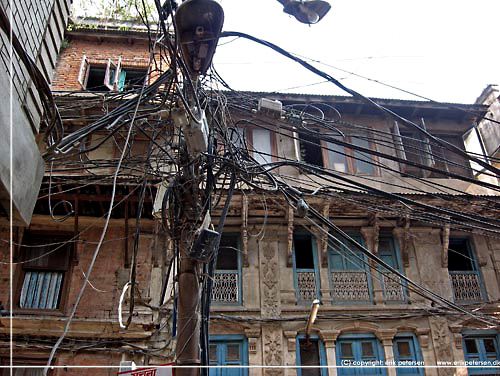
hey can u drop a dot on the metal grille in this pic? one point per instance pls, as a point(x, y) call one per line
point(466, 286)
point(350, 286)
point(306, 283)
point(225, 287)
point(41, 290)
point(393, 288)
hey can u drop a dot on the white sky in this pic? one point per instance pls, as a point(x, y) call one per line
point(446, 50)
point(443, 49)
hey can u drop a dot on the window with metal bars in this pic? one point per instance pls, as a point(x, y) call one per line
point(227, 278)
point(45, 263)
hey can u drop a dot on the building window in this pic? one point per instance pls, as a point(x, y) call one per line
point(231, 350)
point(464, 273)
point(305, 268)
point(359, 349)
point(406, 353)
point(310, 149)
point(227, 279)
point(111, 76)
point(349, 273)
point(259, 142)
point(311, 353)
point(345, 159)
point(484, 350)
point(44, 271)
point(394, 286)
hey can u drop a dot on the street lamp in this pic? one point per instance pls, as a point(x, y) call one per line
point(306, 11)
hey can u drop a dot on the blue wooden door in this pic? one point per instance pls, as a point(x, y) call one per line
point(358, 352)
point(226, 354)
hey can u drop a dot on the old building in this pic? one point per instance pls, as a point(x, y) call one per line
point(411, 202)
point(26, 68)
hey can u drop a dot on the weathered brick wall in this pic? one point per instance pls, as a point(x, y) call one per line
point(134, 55)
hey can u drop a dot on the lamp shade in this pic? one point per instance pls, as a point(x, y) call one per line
point(306, 11)
point(198, 26)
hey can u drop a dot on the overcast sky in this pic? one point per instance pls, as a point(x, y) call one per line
point(446, 50)
point(443, 49)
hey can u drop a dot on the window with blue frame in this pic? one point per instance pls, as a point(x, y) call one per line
point(305, 268)
point(310, 353)
point(349, 272)
point(359, 354)
point(227, 279)
point(228, 351)
point(407, 354)
point(394, 286)
point(483, 351)
point(464, 272)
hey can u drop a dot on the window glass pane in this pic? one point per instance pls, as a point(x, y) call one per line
point(346, 350)
point(404, 350)
point(261, 139)
point(213, 353)
point(363, 164)
point(233, 352)
point(471, 347)
point(367, 350)
point(310, 150)
point(303, 252)
point(227, 258)
point(336, 156)
point(489, 345)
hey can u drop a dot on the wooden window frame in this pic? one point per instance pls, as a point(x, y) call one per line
point(351, 162)
point(66, 280)
point(416, 355)
point(321, 353)
point(296, 270)
point(239, 270)
point(248, 135)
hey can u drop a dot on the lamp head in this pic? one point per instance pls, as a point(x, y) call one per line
point(198, 26)
point(306, 11)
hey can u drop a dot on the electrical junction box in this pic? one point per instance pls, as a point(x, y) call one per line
point(196, 136)
point(270, 107)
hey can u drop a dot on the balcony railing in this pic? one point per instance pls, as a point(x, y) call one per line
point(393, 288)
point(350, 286)
point(225, 287)
point(306, 285)
point(466, 286)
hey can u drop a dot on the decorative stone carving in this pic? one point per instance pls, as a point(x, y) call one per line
point(423, 337)
point(370, 235)
point(244, 229)
point(457, 335)
point(290, 338)
point(403, 238)
point(270, 279)
point(442, 341)
point(273, 353)
point(252, 335)
point(324, 236)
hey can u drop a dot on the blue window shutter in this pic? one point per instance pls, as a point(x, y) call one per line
point(121, 80)
point(406, 350)
point(483, 348)
point(359, 348)
point(225, 351)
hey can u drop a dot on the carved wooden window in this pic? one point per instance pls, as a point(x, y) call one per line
point(227, 282)
point(346, 159)
point(407, 353)
point(394, 286)
point(483, 350)
point(465, 277)
point(305, 267)
point(44, 272)
point(349, 274)
point(311, 353)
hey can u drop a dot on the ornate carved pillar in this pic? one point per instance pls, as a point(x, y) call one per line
point(244, 229)
point(370, 235)
point(329, 337)
point(387, 337)
point(269, 278)
point(291, 356)
point(273, 349)
point(290, 215)
point(427, 354)
point(401, 236)
point(442, 342)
